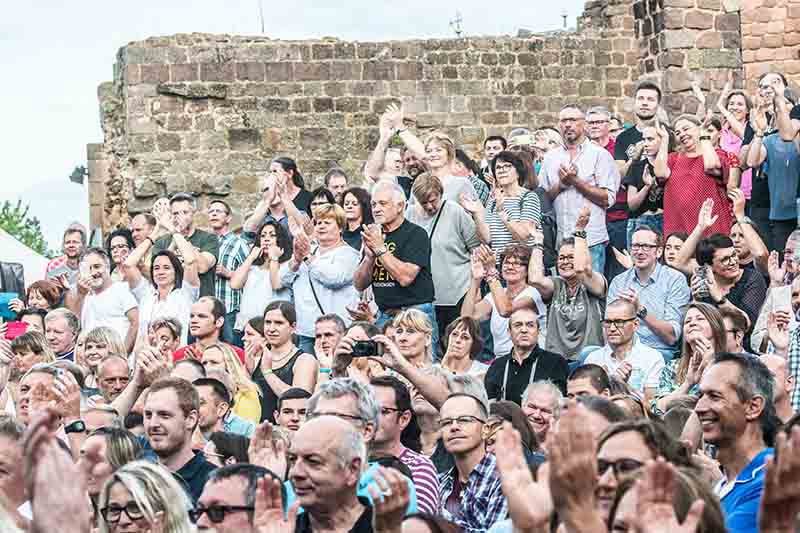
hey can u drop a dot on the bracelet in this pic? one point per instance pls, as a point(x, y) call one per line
point(267, 373)
point(325, 370)
point(579, 234)
point(152, 242)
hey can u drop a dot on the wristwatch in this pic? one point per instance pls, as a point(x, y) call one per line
point(380, 251)
point(579, 234)
point(641, 313)
point(75, 427)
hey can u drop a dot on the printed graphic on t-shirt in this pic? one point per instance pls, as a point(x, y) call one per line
point(380, 276)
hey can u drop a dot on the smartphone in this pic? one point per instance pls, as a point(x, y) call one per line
point(5, 311)
point(58, 271)
point(702, 274)
point(15, 329)
point(367, 349)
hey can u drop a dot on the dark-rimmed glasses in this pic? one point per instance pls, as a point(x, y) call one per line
point(618, 323)
point(216, 513)
point(620, 467)
point(112, 513)
point(462, 420)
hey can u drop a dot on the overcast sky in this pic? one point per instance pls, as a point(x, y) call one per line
point(54, 54)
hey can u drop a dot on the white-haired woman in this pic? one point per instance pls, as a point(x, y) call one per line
point(142, 497)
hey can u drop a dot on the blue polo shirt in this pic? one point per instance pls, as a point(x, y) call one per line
point(740, 500)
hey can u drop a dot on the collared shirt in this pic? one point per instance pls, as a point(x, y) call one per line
point(482, 500)
point(741, 498)
point(595, 167)
point(665, 295)
point(794, 365)
point(362, 525)
point(645, 361)
point(195, 474)
point(426, 481)
point(233, 251)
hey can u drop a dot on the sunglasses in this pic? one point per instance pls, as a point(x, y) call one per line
point(216, 513)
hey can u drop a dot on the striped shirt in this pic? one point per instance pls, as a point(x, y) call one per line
point(525, 207)
point(426, 481)
point(233, 251)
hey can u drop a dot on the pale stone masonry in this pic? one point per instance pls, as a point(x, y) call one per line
point(205, 113)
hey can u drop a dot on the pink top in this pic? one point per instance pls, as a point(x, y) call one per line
point(729, 142)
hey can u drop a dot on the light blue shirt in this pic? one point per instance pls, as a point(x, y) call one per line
point(665, 294)
point(740, 500)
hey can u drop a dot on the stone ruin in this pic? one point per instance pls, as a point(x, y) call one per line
point(206, 113)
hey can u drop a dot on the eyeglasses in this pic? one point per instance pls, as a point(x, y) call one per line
point(499, 167)
point(113, 513)
point(729, 259)
point(597, 122)
point(620, 466)
point(386, 411)
point(216, 513)
point(617, 324)
point(643, 246)
point(345, 416)
point(460, 420)
point(119, 247)
point(515, 264)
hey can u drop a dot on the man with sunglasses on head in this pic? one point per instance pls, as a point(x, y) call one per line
point(658, 293)
point(227, 504)
point(624, 356)
point(470, 492)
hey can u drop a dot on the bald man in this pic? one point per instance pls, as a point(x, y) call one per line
point(784, 383)
point(327, 455)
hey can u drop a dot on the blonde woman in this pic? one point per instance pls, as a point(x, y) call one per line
point(30, 348)
point(413, 335)
point(142, 497)
point(246, 402)
point(99, 343)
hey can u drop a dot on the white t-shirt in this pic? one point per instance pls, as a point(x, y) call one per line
point(647, 364)
point(499, 325)
point(177, 305)
point(108, 309)
point(257, 293)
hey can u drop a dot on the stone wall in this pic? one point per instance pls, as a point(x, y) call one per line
point(770, 39)
point(205, 113)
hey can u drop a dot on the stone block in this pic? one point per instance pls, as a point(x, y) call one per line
point(673, 19)
point(278, 72)
point(179, 123)
point(710, 39)
point(344, 51)
point(275, 105)
point(204, 123)
point(774, 40)
point(184, 72)
point(698, 20)
point(301, 105)
point(489, 58)
point(477, 104)
point(205, 141)
point(379, 70)
point(139, 55)
point(321, 51)
point(676, 39)
point(154, 74)
point(727, 22)
point(731, 39)
point(323, 104)
point(791, 39)
point(224, 72)
point(250, 71)
point(314, 139)
point(312, 71)
point(721, 59)
point(244, 139)
point(495, 118)
point(334, 88)
point(345, 70)
point(168, 142)
point(411, 70)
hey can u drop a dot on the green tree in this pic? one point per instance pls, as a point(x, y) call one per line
point(15, 220)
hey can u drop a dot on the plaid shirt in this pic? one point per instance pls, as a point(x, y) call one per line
point(233, 251)
point(794, 365)
point(482, 500)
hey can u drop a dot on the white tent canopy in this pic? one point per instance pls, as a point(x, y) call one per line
point(13, 251)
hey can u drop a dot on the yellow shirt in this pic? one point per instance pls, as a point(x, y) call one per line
point(247, 405)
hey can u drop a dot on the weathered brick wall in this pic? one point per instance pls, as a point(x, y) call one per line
point(206, 113)
point(770, 39)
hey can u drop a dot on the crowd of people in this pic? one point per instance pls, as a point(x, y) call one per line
point(588, 327)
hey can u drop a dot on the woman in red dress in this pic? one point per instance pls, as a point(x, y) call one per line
point(692, 175)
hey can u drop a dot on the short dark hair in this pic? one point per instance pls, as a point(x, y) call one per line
point(481, 405)
point(182, 197)
point(126, 234)
point(655, 436)
point(369, 328)
point(32, 311)
point(286, 309)
point(513, 413)
point(290, 165)
point(472, 327)
point(401, 394)
point(499, 138)
point(133, 420)
point(706, 247)
point(363, 197)
point(217, 307)
point(332, 317)
point(231, 445)
point(467, 161)
point(604, 407)
point(251, 474)
point(257, 323)
point(648, 85)
point(651, 229)
point(148, 218)
point(177, 266)
point(779, 74)
point(282, 240)
point(225, 204)
point(597, 375)
point(324, 192)
point(220, 390)
point(335, 171)
point(293, 393)
point(511, 157)
point(754, 379)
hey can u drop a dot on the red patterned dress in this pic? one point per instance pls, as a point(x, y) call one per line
point(688, 187)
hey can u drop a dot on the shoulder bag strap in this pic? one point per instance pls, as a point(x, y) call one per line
point(436, 222)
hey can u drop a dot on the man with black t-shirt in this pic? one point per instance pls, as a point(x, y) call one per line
point(777, 116)
point(397, 258)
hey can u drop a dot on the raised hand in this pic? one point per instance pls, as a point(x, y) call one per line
point(391, 357)
point(16, 305)
point(780, 498)
point(274, 253)
point(529, 502)
point(268, 451)
point(778, 330)
point(583, 218)
point(389, 499)
point(647, 177)
point(698, 92)
point(573, 468)
point(396, 115)
point(470, 205)
point(152, 365)
point(654, 506)
point(758, 118)
point(67, 395)
point(705, 219)
point(623, 258)
point(777, 271)
point(623, 372)
point(736, 197)
point(478, 272)
point(697, 365)
point(268, 516)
